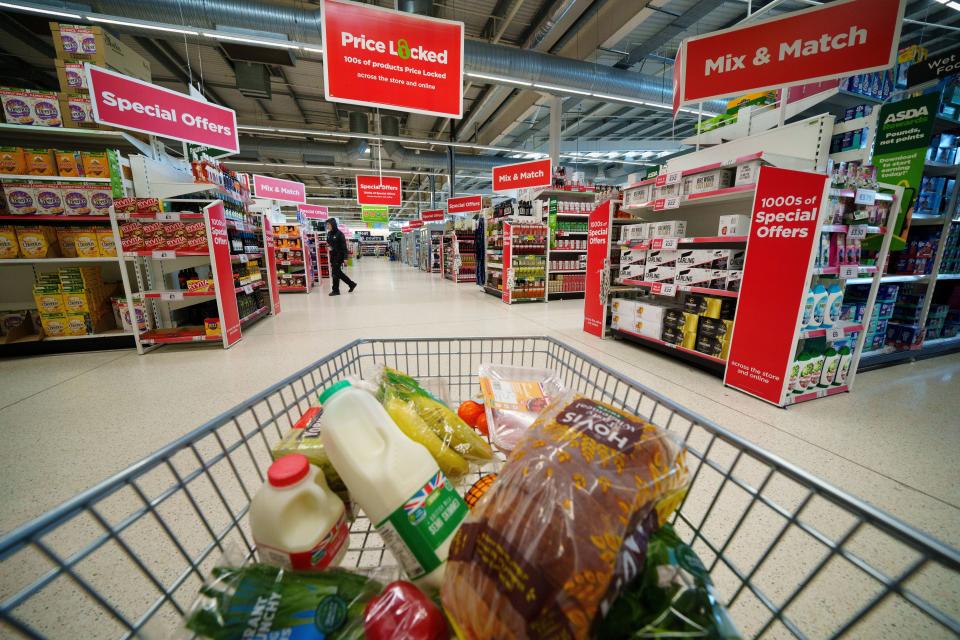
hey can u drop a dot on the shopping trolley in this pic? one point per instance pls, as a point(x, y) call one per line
point(791, 555)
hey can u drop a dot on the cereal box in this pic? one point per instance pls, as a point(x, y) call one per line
point(67, 239)
point(8, 243)
point(40, 162)
point(17, 106)
point(49, 200)
point(12, 161)
point(46, 110)
point(108, 247)
point(78, 112)
point(36, 242)
point(54, 325)
point(68, 163)
point(76, 200)
point(71, 76)
point(78, 324)
point(87, 244)
point(101, 199)
point(78, 42)
point(96, 164)
point(48, 302)
point(76, 302)
point(21, 198)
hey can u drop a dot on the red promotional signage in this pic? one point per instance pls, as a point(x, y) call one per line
point(219, 245)
point(270, 255)
point(383, 58)
point(523, 175)
point(379, 190)
point(433, 215)
point(464, 204)
point(598, 270)
point(313, 212)
point(277, 189)
point(415, 224)
point(786, 210)
point(121, 101)
point(833, 40)
point(506, 259)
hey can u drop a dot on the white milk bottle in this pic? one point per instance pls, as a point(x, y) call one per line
point(296, 520)
point(394, 480)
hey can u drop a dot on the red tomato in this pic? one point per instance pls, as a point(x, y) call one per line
point(481, 425)
point(403, 611)
point(469, 411)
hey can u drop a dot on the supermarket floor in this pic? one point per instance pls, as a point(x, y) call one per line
point(69, 421)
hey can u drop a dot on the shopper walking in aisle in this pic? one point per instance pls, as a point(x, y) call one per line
point(338, 255)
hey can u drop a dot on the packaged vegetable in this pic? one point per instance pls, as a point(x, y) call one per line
point(673, 597)
point(413, 426)
point(514, 397)
point(453, 432)
point(262, 601)
point(564, 528)
point(304, 438)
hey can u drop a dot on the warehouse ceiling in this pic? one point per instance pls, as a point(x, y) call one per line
point(636, 36)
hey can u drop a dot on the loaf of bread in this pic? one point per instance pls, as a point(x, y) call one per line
point(563, 529)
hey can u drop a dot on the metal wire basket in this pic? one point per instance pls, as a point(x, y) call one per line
point(791, 555)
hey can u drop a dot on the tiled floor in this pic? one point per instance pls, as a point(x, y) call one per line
point(70, 421)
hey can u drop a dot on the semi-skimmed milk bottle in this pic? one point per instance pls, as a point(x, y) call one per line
point(296, 520)
point(394, 480)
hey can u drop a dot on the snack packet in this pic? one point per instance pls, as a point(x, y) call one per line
point(513, 398)
point(564, 528)
point(304, 438)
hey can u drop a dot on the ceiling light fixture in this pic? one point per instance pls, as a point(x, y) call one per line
point(47, 12)
point(312, 49)
point(141, 25)
point(484, 76)
point(550, 87)
point(246, 127)
point(251, 41)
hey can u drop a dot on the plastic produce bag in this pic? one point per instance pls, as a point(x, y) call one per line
point(673, 598)
point(563, 529)
point(262, 601)
point(304, 439)
point(454, 443)
point(514, 397)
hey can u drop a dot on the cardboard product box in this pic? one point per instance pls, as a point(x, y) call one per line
point(12, 161)
point(9, 247)
point(131, 236)
point(125, 206)
point(710, 346)
point(38, 242)
point(734, 225)
point(69, 163)
point(673, 317)
point(629, 232)
point(78, 112)
point(176, 236)
point(107, 244)
point(48, 302)
point(78, 324)
point(71, 76)
point(734, 278)
point(87, 244)
point(747, 173)
point(671, 335)
point(705, 278)
point(695, 303)
point(76, 199)
point(667, 191)
point(713, 328)
point(631, 271)
point(662, 257)
point(653, 312)
point(30, 107)
point(101, 199)
point(49, 199)
point(75, 43)
point(736, 259)
point(67, 241)
point(632, 256)
point(703, 258)
point(40, 162)
point(670, 229)
point(96, 164)
point(711, 181)
point(649, 328)
point(77, 302)
point(154, 238)
point(196, 232)
point(21, 198)
point(54, 325)
point(659, 273)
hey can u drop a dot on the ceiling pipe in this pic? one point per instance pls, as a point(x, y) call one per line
point(316, 152)
point(402, 156)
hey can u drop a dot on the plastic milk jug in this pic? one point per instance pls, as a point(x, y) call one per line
point(394, 480)
point(296, 520)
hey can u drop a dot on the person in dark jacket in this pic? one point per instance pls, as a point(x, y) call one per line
point(337, 244)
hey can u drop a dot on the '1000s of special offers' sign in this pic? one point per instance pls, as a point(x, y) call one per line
point(382, 58)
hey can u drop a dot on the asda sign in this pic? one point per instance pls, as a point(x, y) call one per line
point(382, 58)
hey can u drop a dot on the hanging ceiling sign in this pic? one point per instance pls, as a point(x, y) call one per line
point(934, 67)
point(415, 224)
point(313, 212)
point(128, 103)
point(277, 189)
point(433, 215)
point(464, 204)
point(379, 190)
point(833, 40)
point(373, 213)
point(523, 175)
point(382, 58)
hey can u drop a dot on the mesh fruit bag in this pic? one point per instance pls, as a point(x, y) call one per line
point(565, 527)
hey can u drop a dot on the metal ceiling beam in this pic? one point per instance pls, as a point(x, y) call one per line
point(168, 57)
point(676, 27)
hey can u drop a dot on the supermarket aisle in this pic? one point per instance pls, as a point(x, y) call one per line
point(69, 421)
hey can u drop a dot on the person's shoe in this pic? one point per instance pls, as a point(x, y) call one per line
point(334, 293)
point(352, 287)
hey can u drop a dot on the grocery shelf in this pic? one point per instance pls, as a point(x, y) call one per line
point(741, 192)
point(669, 345)
point(242, 226)
point(813, 395)
point(948, 276)
point(30, 219)
point(198, 335)
point(167, 216)
point(175, 295)
point(852, 193)
point(709, 292)
point(572, 215)
point(560, 233)
point(833, 271)
point(26, 178)
point(495, 265)
point(918, 219)
point(69, 136)
point(259, 313)
point(932, 168)
point(843, 228)
point(250, 287)
point(565, 294)
point(558, 250)
point(666, 243)
point(287, 236)
point(292, 289)
point(659, 286)
point(553, 272)
point(289, 263)
point(24, 261)
point(245, 257)
point(493, 291)
point(851, 327)
point(892, 278)
point(164, 255)
point(565, 194)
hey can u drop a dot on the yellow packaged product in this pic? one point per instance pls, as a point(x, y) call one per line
point(54, 325)
point(40, 162)
point(96, 164)
point(35, 242)
point(67, 239)
point(12, 161)
point(77, 324)
point(48, 303)
point(8, 243)
point(108, 248)
point(76, 302)
point(88, 246)
point(68, 163)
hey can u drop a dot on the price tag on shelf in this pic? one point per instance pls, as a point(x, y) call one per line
point(199, 339)
point(857, 232)
point(849, 271)
point(834, 334)
point(670, 244)
point(123, 215)
point(243, 257)
point(663, 289)
point(285, 262)
point(169, 217)
point(668, 178)
point(248, 288)
point(164, 255)
point(865, 196)
point(171, 296)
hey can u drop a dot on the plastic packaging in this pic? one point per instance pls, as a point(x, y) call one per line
point(513, 397)
point(305, 439)
point(297, 522)
point(394, 480)
point(564, 528)
point(819, 307)
point(831, 362)
point(834, 302)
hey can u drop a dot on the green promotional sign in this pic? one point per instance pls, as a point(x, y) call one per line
point(374, 213)
point(552, 222)
point(903, 134)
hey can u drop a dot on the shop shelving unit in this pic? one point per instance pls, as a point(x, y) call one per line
point(493, 254)
point(321, 256)
point(373, 247)
point(294, 265)
point(458, 257)
point(566, 213)
point(429, 248)
point(524, 261)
